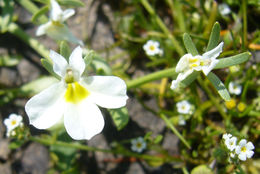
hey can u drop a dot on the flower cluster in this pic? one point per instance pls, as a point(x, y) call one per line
point(152, 48)
point(74, 98)
point(14, 121)
point(138, 144)
point(56, 27)
point(243, 150)
point(188, 63)
point(184, 108)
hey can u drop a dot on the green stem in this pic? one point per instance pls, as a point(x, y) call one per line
point(212, 98)
point(244, 11)
point(212, 19)
point(151, 77)
point(51, 142)
point(163, 27)
point(37, 46)
point(174, 130)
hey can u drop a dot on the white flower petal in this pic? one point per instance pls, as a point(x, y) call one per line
point(76, 61)
point(249, 154)
point(56, 11)
point(59, 63)
point(242, 156)
point(242, 142)
point(207, 69)
point(238, 150)
point(107, 91)
point(42, 29)
point(83, 121)
point(46, 108)
point(183, 63)
point(174, 84)
point(250, 146)
point(212, 54)
point(67, 13)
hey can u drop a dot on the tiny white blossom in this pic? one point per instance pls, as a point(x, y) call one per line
point(226, 136)
point(231, 143)
point(181, 120)
point(188, 63)
point(244, 150)
point(138, 144)
point(224, 9)
point(232, 154)
point(13, 121)
point(184, 107)
point(74, 98)
point(152, 48)
point(56, 27)
point(234, 88)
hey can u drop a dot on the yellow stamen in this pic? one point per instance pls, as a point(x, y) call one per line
point(13, 122)
point(243, 149)
point(75, 93)
point(241, 107)
point(193, 60)
point(230, 104)
point(152, 47)
point(57, 23)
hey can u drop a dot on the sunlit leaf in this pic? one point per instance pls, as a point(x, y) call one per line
point(201, 169)
point(189, 45)
point(49, 67)
point(219, 86)
point(233, 60)
point(6, 15)
point(73, 3)
point(39, 13)
point(214, 37)
point(120, 117)
point(65, 50)
point(89, 56)
point(7, 60)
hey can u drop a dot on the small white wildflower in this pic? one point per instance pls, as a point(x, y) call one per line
point(181, 120)
point(232, 154)
point(184, 107)
point(56, 27)
point(152, 48)
point(13, 121)
point(234, 88)
point(226, 136)
point(244, 150)
point(224, 9)
point(231, 143)
point(138, 144)
point(188, 63)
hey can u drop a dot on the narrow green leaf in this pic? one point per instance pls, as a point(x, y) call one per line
point(219, 86)
point(65, 50)
point(214, 37)
point(89, 56)
point(233, 60)
point(7, 14)
point(39, 13)
point(48, 66)
point(7, 60)
point(189, 45)
point(120, 117)
point(73, 3)
point(188, 80)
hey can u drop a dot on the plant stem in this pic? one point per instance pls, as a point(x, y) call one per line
point(244, 12)
point(163, 27)
point(151, 77)
point(174, 130)
point(37, 46)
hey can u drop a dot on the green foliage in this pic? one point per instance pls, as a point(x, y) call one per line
point(39, 13)
point(6, 15)
point(201, 169)
point(9, 60)
point(65, 50)
point(120, 117)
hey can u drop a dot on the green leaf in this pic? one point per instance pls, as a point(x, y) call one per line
point(189, 45)
point(39, 13)
point(65, 50)
point(100, 66)
point(7, 14)
point(158, 139)
point(120, 117)
point(38, 85)
point(73, 3)
point(233, 60)
point(7, 60)
point(214, 37)
point(188, 80)
point(89, 56)
point(49, 67)
point(219, 86)
point(201, 169)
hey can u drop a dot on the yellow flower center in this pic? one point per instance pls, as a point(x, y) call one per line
point(57, 23)
point(241, 107)
point(13, 122)
point(230, 104)
point(243, 149)
point(193, 62)
point(152, 47)
point(138, 145)
point(75, 93)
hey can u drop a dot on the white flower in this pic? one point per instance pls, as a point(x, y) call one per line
point(55, 27)
point(181, 120)
point(188, 63)
point(234, 88)
point(231, 143)
point(244, 150)
point(13, 121)
point(138, 144)
point(224, 9)
point(232, 154)
point(152, 48)
point(184, 107)
point(75, 98)
point(226, 136)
